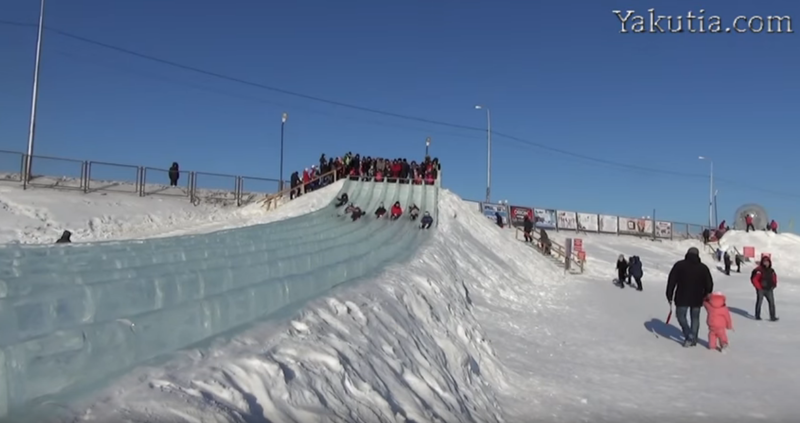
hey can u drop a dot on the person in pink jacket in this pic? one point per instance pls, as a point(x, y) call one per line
point(719, 320)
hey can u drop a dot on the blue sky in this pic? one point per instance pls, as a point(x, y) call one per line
point(557, 74)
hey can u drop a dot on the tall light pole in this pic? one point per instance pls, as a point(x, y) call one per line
point(35, 95)
point(710, 191)
point(283, 125)
point(427, 145)
point(488, 152)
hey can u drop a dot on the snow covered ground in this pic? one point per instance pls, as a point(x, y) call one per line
point(478, 327)
point(40, 215)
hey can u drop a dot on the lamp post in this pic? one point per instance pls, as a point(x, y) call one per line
point(488, 151)
point(34, 96)
point(283, 125)
point(427, 145)
point(710, 191)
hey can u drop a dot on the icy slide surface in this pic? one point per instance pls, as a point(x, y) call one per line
point(72, 316)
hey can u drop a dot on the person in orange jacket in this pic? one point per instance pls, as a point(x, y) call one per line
point(765, 280)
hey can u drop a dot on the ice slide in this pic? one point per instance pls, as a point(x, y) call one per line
point(72, 317)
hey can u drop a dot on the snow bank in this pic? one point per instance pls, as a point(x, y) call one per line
point(408, 347)
point(39, 215)
point(784, 248)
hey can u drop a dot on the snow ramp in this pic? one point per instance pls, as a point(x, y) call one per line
point(73, 317)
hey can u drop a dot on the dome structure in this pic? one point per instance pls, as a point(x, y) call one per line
point(760, 217)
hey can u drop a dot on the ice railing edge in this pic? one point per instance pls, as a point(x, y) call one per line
point(189, 308)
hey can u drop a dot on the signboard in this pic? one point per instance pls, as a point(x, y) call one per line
point(545, 218)
point(578, 244)
point(749, 252)
point(518, 215)
point(489, 211)
point(587, 222)
point(582, 255)
point(607, 224)
point(663, 229)
point(567, 220)
point(633, 226)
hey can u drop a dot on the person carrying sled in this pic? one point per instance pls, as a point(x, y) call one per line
point(635, 271)
point(527, 229)
point(688, 284)
point(426, 221)
point(622, 270)
point(380, 211)
point(718, 320)
point(726, 259)
point(413, 212)
point(765, 280)
point(397, 211)
point(342, 200)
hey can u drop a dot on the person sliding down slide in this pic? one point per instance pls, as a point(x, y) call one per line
point(355, 212)
point(380, 211)
point(397, 211)
point(427, 221)
point(413, 211)
point(342, 200)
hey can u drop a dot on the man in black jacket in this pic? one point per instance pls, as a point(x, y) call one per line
point(688, 285)
point(527, 228)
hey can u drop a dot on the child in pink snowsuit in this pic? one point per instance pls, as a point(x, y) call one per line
point(719, 320)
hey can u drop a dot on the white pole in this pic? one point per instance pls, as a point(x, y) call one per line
point(488, 155)
point(711, 195)
point(35, 95)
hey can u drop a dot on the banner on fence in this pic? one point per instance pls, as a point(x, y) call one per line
point(490, 209)
point(518, 215)
point(607, 224)
point(567, 220)
point(577, 244)
point(663, 229)
point(633, 226)
point(545, 218)
point(587, 222)
point(749, 252)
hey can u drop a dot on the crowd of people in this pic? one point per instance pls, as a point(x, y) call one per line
point(395, 213)
point(367, 168)
point(723, 227)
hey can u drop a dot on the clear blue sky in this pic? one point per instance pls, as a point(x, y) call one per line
point(554, 73)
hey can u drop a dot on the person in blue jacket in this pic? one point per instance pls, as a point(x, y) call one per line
point(426, 221)
point(635, 270)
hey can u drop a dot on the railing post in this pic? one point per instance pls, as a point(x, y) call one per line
point(192, 186)
point(238, 190)
point(86, 176)
point(22, 167)
point(25, 174)
point(142, 190)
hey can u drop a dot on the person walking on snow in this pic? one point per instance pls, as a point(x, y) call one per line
point(719, 321)
point(622, 270)
point(688, 284)
point(765, 280)
point(635, 271)
point(748, 220)
point(726, 258)
point(527, 229)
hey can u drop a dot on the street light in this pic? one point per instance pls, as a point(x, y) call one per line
point(710, 191)
point(427, 145)
point(488, 151)
point(283, 124)
point(35, 95)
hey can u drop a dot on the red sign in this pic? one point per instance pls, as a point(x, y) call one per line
point(582, 255)
point(749, 252)
point(577, 243)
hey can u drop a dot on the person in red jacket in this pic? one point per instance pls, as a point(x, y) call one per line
point(397, 211)
point(765, 280)
point(748, 220)
point(773, 226)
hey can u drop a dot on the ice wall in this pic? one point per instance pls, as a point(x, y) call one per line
point(73, 315)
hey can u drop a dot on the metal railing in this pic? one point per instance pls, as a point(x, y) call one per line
point(92, 176)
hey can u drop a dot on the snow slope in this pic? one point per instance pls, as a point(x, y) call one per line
point(407, 347)
point(39, 215)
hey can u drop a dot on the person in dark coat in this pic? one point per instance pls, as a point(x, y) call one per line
point(527, 228)
point(65, 238)
point(174, 174)
point(739, 260)
point(706, 235)
point(726, 259)
point(342, 200)
point(765, 280)
point(635, 271)
point(498, 219)
point(688, 284)
point(426, 221)
point(380, 211)
point(622, 270)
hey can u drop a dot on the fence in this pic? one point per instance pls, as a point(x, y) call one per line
point(561, 220)
point(91, 176)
